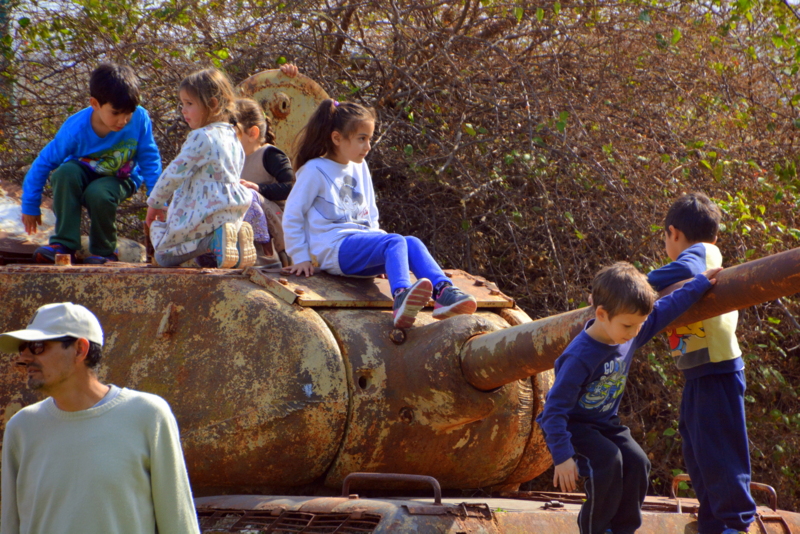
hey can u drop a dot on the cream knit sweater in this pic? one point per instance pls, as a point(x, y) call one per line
point(114, 468)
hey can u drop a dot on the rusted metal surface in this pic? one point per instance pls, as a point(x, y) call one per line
point(258, 386)
point(533, 461)
point(493, 360)
point(411, 410)
point(16, 246)
point(325, 290)
point(392, 477)
point(288, 102)
point(514, 513)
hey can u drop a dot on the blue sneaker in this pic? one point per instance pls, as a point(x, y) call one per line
point(223, 246)
point(410, 301)
point(733, 531)
point(47, 253)
point(452, 301)
point(94, 259)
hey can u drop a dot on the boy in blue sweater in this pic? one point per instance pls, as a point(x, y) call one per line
point(100, 155)
point(580, 422)
point(712, 419)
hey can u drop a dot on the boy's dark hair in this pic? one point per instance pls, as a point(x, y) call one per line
point(115, 84)
point(696, 216)
point(621, 288)
point(94, 355)
point(330, 116)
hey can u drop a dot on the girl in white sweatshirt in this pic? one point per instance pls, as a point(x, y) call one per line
point(331, 219)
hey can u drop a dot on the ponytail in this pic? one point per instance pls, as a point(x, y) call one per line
point(330, 116)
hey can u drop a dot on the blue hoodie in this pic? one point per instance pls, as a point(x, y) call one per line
point(130, 152)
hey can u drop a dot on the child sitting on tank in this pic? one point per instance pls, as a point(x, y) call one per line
point(331, 218)
point(580, 421)
point(267, 172)
point(99, 157)
point(712, 424)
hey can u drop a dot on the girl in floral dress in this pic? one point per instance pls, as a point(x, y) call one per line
point(208, 205)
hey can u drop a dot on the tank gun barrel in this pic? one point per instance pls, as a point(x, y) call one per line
point(492, 360)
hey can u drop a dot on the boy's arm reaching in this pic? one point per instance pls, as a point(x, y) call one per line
point(562, 398)
point(147, 155)
point(566, 476)
point(52, 155)
point(672, 306)
point(685, 267)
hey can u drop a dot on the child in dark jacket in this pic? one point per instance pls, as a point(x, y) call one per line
point(712, 421)
point(580, 422)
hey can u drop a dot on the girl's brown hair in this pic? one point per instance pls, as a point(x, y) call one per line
point(249, 114)
point(330, 116)
point(208, 84)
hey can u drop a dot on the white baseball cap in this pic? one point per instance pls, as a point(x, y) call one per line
point(53, 321)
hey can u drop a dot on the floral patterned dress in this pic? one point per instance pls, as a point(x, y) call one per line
point(203, 182)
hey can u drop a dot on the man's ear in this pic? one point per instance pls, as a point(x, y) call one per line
point(673, 234)
point(601, 314)
point(82, 347)
point(94, 103)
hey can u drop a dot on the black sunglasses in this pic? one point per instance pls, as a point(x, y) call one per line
point(37, 347)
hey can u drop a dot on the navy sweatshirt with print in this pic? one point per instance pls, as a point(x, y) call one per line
point(591, 376)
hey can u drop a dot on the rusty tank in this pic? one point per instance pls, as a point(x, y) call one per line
point(292, 393)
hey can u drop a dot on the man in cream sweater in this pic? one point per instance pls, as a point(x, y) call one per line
point(90, 458)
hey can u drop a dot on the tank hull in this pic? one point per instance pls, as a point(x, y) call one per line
point(258, 386)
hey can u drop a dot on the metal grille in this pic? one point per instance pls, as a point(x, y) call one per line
point(285, 522)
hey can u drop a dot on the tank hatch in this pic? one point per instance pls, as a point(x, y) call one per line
point(329, 291)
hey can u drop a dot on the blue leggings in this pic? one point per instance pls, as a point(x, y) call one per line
point(371, 254)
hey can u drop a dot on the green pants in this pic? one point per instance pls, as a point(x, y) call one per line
point(74, 186)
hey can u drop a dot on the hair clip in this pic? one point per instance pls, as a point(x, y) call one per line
point(336, 103)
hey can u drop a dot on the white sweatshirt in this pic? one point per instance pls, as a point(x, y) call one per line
point(116, 468)
point(328, 202)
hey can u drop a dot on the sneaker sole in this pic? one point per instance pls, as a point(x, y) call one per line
point(418, 296)
point(246, 248)
point(228, 254)
point(465, 307)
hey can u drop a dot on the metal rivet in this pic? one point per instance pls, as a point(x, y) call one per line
point(480, 283)
point(299, 290)
point(494, 292)
point(398, 336)
point(283, 281)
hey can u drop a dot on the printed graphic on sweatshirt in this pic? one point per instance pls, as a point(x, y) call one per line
point(115, 161)
point(601, 394)
point(348, 206)
point(687, 339)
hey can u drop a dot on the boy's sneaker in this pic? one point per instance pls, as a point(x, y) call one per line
point(733, 531)
point(94, 259)
point(410, 301)
point(245, 247)
point(452, 301)
point(223, 246)
point(47, 253)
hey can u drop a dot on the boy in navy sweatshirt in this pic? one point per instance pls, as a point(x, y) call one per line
point(100, 155)
point(712, 420)
point(580, 421)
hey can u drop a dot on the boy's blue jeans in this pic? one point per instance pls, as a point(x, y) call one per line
point(75, 186)
point(616, 470)
point(374, 253)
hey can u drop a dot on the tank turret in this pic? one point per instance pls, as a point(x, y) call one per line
point(282, 383)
